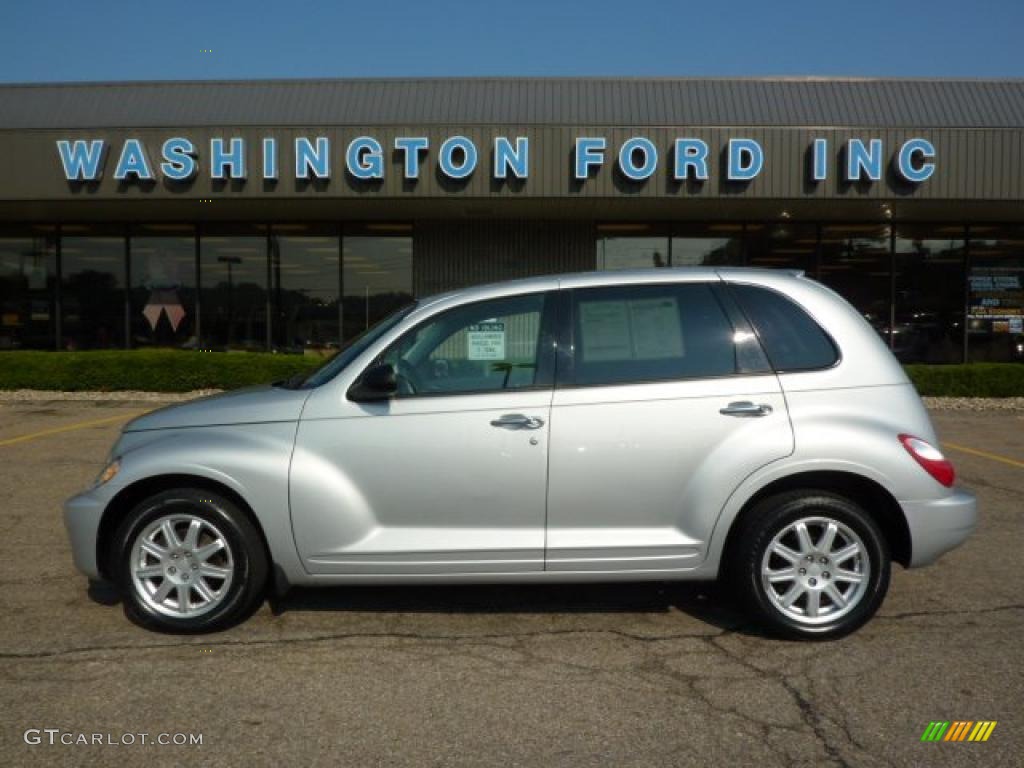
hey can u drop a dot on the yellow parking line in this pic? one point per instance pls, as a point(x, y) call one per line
point(68, 428)
point(985, 454)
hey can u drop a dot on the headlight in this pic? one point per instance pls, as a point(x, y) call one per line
point(109, 472)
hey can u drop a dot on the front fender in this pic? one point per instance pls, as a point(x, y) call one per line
point(252, 460)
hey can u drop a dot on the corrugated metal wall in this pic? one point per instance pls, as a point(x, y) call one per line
point(453, 254)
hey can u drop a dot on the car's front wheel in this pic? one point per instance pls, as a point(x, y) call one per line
point(189, 560)
point(811, 564)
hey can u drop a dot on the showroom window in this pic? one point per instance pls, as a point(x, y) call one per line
point(305, 277)
point(856, 262)
point(995, 294)
point(92, 288)
point(928, 313)
point(630, 251)
point(163, 286)
point(377, 277)
point(28, 291)
point(714, 245)
point(783, 245)
point(233, 294)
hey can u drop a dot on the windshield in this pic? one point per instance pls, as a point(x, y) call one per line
point(355, 347)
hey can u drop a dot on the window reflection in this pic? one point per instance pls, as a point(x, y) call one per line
point(855, 262)
point(28, 283)
point(783, 245)
point(615, 252)
point(163, 296)
point(712, 246)
point(304, 288)
point(92, 291)
point(996, 294)
point(377, 279)
point(233, 276)
point(929, 308)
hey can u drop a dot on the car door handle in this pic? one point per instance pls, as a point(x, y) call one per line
point(518, 421)
point(745, 409)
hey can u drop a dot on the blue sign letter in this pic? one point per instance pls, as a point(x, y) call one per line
point(905, 160)
point(861, 159)
point(820, 165)
point(312, 161)
point(746, 159)
point(589, 152)
point(446, 159)
point(411, 146)
point(270, 158)
point(627, 156)
point(233, 158)
point(179, 159)
point(691, 153)
point(133, 162)
point(508, 159)
point(365, 158)
point(81, 159)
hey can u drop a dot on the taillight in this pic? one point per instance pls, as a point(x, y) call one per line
point(931, 458)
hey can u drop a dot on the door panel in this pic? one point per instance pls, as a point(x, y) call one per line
point(450, 474)
point(664, 405)
point(639, 473)
point(423, 486)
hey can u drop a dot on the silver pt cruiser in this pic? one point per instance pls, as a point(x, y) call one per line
point(658, 424)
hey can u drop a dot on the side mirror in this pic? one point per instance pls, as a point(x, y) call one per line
point(378, 383)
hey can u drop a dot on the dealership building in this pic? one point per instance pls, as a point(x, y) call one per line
point(289, 215)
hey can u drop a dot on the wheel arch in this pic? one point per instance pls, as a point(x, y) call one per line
point(130, 495)
point(874, 498)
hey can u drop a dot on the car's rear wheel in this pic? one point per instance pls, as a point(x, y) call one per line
point(189, 560)
point(811, 564)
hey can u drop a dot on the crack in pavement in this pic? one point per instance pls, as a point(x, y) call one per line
point(426, 637)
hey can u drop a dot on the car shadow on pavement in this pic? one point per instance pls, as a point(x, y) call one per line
point(706, 602)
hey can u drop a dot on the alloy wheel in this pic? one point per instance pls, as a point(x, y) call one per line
point(815, 570)
point(181, 566)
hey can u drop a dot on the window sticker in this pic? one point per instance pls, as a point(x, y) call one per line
point(637, 329)
point(656, 331)
point(605, 331)
point(486, 341)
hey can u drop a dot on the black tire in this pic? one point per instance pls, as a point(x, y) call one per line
point(773, 515)
point(249, 564)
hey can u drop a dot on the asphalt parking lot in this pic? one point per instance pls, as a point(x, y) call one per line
point(628, 675)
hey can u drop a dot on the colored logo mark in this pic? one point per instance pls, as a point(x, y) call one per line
point(958, 730)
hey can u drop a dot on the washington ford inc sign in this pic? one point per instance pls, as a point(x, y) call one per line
point(457, 158)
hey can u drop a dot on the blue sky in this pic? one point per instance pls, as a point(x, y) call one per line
point(47, 40)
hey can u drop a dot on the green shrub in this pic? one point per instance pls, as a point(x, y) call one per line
point(971, 380)
point(153, 370)
point(167, 370)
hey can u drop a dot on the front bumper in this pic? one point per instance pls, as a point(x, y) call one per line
point(82, 514)
point(940, 525)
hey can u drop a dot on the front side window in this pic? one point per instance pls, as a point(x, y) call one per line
point(643, 333)
point(488, 346)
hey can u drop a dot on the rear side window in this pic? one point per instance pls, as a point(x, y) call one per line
point(792, 340)
point(650, 333)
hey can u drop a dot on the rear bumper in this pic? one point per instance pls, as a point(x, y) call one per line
point(940, 525)
point(82, 514)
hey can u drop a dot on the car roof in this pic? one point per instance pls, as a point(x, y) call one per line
point(609, 277)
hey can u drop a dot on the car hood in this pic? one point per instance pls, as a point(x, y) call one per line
point(252, 405)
